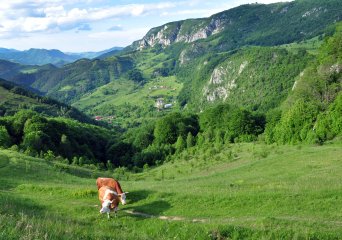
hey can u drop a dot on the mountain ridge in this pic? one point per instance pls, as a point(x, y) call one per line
point(41, 56)
point(177, 54)
point(191, 30)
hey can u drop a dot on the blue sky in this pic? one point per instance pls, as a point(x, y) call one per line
point(94, 25)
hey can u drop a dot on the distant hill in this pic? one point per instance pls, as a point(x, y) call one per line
point(56, 57)
point(100, 54)
point(36, 56)
point(14, 98)
point(10, 69)
point(73, 80)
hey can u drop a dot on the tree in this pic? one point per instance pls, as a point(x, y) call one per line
point(296, 123)
point(135, 75)
point(190, 140)
point(65, 146)
point(37, 140)
point(5, 139)
point(168, 128)
point(180, 144)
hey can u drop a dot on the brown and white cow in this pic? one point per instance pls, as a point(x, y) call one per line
point(109, 200)
point(115, 185)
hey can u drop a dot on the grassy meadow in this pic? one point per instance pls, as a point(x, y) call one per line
point(237, 191)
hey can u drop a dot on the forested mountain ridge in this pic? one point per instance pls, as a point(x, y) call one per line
point(14, 98)
point(36, 56)
point(251, 24)
point(75, 79)
point(312, 111)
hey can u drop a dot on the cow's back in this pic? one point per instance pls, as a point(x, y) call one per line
point(109, 182)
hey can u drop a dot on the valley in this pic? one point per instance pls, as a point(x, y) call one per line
point(221, 127)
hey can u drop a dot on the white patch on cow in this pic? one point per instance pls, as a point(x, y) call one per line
point(105, 206)
point(107, 192)
point(106, 202)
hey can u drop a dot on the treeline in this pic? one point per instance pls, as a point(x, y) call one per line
point(149, 144)
point(156, 141)
point(36, 135)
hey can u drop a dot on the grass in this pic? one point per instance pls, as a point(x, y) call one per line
point(11, 100)
point(28, 70)
point(311, 45)
point(125, 91)
point(240, 191)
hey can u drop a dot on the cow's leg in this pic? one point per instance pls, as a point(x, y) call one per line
point(108, 216)
point(115, 211)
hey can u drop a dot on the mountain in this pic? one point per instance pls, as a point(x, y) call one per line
point(100, 54)
point(10, 69)
point(6, 50)
point(76, 79)
point(36, 56)
point(251, 24)
point(240, 56)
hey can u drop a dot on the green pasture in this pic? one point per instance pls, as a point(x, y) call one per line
point(240, 191)
point(120, 92)
point(311, 45)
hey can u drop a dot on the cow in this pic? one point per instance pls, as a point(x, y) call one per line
point(115, 185)
point(109, 200)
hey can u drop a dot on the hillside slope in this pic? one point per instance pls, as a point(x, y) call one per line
point(14, 98)
point(71, 81)
point(258, 192)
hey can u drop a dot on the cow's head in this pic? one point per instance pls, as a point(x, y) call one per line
point(106, 206)
point(122, 197)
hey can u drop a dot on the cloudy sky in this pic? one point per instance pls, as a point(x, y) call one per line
point(94, 25)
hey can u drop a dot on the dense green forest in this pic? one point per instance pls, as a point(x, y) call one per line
point(312, 111)
point(41, 136)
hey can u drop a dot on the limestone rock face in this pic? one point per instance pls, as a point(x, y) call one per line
point(182, 31)
point(223, 81)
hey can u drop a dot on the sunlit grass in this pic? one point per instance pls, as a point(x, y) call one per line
point(244, 190)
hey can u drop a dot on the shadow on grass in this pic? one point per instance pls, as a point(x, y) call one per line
point(14, 204)
point(136, 196)
point(4, 161)
point(154, 208)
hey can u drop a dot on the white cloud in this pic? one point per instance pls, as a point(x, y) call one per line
point(37, 16)
point(128, 35)
point(99, 23)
